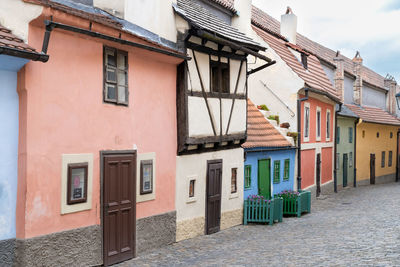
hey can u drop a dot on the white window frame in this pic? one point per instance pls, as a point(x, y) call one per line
point(306, 138)
point(196, 184)
point(328, 129)
point(318, 127)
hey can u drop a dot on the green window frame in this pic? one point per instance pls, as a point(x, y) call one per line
point(247, 176)
point(286, 170)
point(277, 171)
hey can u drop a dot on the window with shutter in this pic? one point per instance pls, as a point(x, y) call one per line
point(383, 159)
point(247, 176)
point(277, 173)
point(115, 76)
point(390, 162)
point(286, 171)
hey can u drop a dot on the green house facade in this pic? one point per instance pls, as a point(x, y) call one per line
point(345, 147)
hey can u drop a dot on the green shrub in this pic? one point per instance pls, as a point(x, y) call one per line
point(274, 117)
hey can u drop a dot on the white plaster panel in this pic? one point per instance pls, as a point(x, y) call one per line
point(69, 159)
point(373, 97)
point(12, 18)
point(199, 120)
point(238, 120)
point(203, 62)
point(196, 166)
point(152, 195)
point(234, 71)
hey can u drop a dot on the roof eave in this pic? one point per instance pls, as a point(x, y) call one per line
point(34, 56)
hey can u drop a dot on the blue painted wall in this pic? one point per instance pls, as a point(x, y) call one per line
point(8, 143)
point(252, 159)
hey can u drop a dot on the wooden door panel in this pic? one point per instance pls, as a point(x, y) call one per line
point(119, 220)
point(213, 205)
point(264, 177)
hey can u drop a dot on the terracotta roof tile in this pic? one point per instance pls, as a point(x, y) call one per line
point(268, 23)
point(260, 132)
point(314, 76)
point(228, 4)
point(9, 40)
point(375, 115)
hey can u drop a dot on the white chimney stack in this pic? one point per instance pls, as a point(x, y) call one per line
point(242, 20)
point(289, 25)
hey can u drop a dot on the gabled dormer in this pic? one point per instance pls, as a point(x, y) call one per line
point(212, 85)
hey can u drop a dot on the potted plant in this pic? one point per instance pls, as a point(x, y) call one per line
point(295, 203)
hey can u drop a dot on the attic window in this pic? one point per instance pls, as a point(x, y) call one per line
point(304, 60)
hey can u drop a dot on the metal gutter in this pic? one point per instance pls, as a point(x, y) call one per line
point(50, 25)
point(24, 54)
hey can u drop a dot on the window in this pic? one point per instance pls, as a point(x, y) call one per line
point(383, 159)
point(146, 177)
point(338, 135)
point(191, 188)
point(390, 159)
point(115, 76)
point(247, 176)
point(286, 170)
point(219, 77)
point(351, 159)
point(234, 180)
point(306, 121)
point(328, 125)
point(363, 133)
point(304, 60)
point(337, 161)
point(391, 134)
point(77, 183)
point(277, 171)
point(377, 135)
point(350, 134)
point(318, 123)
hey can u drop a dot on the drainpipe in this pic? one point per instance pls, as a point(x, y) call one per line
point(335, 151)
point(355, 152)
point(299, 116)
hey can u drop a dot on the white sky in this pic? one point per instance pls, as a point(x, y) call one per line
point(370, 26)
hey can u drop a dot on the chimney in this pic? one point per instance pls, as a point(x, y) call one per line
point(358, 84)
point(242, 20)
point(289, 25)
point(339, 75)
point(391, 84)
point(115, 7)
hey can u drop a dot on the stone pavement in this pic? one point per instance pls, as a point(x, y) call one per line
point(356, 227)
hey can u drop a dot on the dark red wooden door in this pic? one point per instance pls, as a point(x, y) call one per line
point(213, 205)
point(318, 168)
point(119, 213)
point(372, 169)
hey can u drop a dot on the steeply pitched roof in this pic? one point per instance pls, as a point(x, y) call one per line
point(314, 76)
point(268, 23)
point(104, 18)
point(374, 115)
point(261, 133)
point(202, 19)
point(14, 46)
point(228, 4)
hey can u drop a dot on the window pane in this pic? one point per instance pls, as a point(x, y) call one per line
point(214, 79)
point(351, 159)
point(307, 118)
point(338, 135)
point(225, 79)
point(111, 76)
point(383, 159)
point(234, 180)
point(110, 58)
point(277, 166)
point(122, 78)
point(337, 161)
point(191, 188)
point(122, 94)
point(318, 124)
point(78, 183)
point(350, 135)
point(121, 61)
point(147, 177)
point(286, 170)
point(390, 158)
point(328, 125)
point(111, 93)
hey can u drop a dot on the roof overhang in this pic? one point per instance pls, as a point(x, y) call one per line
point(317, 91)
point(34, 56)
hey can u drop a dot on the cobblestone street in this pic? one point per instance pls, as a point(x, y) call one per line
point(354, 227)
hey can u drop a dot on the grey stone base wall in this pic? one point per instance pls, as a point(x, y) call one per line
point(389, 178)
point(77, 247)
point(7, 252)
point(155, 231)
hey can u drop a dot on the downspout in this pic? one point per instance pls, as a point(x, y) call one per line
point(355, 152)
point(299, 116)
point(335, 151)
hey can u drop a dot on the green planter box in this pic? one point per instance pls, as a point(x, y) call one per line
point(296, 205)
point(259, 212)
point(278, 209)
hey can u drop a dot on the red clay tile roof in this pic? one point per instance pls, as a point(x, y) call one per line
point(314, 76)
point(9, 40)
point(228, 4)
point(261, 133)
point(375, 115)
point(268, 23)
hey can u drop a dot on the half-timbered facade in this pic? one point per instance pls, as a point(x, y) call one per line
point(211, 107)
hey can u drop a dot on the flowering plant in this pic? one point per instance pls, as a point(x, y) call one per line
point(258, 199)
point(288, 194)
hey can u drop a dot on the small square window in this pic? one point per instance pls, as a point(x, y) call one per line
point(377, 135)
point(277, 171)
point(77, 183)
point(391, 134)
point(234, 180)
point(146, 177)
point(219, 77)
point(192, 184)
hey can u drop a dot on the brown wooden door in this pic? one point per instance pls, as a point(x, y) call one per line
point(119, 212)
point(318, 167)
point(213, 204)
point(372, 169)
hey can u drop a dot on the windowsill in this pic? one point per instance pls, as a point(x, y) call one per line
point(191, 200)
point(234, 195)
point(247, 189)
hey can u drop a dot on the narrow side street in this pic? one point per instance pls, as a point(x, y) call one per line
point(354, 227)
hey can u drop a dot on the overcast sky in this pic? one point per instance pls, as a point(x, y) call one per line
point(370, 26)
